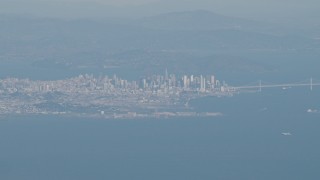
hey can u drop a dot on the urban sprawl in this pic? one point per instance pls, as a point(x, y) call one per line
point(110, 97)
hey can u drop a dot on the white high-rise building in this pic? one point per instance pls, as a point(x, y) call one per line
point(185, 81)
point(166, 77)
point(212, 82)
point(144, 82)
point(202, 83)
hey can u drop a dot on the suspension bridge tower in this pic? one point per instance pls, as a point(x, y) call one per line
point(260, 86)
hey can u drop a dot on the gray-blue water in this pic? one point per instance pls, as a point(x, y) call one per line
point(246, 143)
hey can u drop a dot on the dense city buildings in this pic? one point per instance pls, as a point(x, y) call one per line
point(85, 83)
point(113, 97)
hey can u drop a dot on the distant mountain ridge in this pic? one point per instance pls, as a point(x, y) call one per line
point(203, 20)
point(180, 40)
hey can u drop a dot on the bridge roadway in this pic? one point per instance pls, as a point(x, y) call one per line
point(276, 85)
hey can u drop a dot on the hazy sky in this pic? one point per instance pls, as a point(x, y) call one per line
point(254, 9)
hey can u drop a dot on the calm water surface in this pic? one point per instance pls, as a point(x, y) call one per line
point(245, 143)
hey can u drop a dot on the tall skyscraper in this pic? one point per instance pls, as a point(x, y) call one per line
point(212, 82)
point(185, 81)
point(202, 83)
point(166, 76)
point(144, 83)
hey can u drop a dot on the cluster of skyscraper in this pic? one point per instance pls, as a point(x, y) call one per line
point(85, 83)
point(186, 82)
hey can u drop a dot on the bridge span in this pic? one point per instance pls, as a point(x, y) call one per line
point(309, 83)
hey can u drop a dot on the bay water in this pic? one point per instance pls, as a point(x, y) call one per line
point(261, 136)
